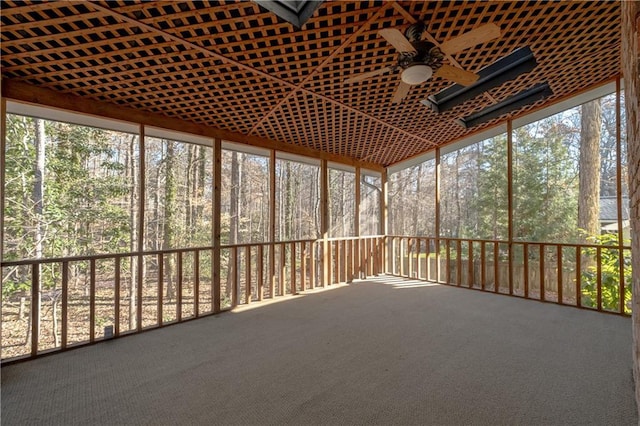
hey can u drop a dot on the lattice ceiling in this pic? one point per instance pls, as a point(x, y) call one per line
point(237, 67)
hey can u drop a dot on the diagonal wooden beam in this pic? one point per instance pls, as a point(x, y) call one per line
point(243, 66)
point(324, 63)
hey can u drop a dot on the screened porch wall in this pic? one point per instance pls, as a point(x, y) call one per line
point(184, 226)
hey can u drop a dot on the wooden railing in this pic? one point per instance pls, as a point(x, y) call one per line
point(61, 303)
point(567, 274)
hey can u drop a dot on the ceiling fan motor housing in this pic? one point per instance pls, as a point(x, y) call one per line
point(426, 54)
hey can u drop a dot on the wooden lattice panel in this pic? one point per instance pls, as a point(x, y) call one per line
point(237, 67)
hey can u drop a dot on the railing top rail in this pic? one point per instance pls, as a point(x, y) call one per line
point(518, 242)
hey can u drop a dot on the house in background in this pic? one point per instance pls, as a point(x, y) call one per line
point(609, 216)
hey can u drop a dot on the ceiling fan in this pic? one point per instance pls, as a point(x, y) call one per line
point(420, 59)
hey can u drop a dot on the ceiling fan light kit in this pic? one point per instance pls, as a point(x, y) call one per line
point(416, 74)
point(419, 59)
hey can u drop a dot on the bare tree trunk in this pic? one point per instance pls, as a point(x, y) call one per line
point(38, 203)
point(233, 216)
point(170, 217)
point(589, 169)
point(288, 219)
point(416, 210)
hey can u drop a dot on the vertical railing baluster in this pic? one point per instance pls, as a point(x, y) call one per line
point(525, 259)
point(303, 266)
point(579, 276)
point(459, 263)
point(419, 270)
point(161, 288)
point(179, 289)
point(259, 270)
point(496, 267)
point(427, 257)
point(410, 257)
point(510, 265)
point(196, 284)
point(35, 308)
point(140, 278)
point(65, 303)
point(234, 277)
point(247, 273)
point(92, 300)
point(470, 265)
point(599, 276)
point(483, 265)
point(335, 259)
point(559, 273)
point(313, 278)
point(542, 283)
point(116, 302)
point(342, 264)
point(621, 284)
point(283, 269)
point(394, 263)
point(448, 260)
point(292, 270)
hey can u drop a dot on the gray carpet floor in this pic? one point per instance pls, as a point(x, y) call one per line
point(381, 351)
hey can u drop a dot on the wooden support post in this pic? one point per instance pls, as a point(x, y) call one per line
point(621, 267)
point(3, 150)
point(141, 223)
point(324, 222)
point(216, 227)
point(437, 214)
point(272, 224)
point(510, 201)
point(356, 230)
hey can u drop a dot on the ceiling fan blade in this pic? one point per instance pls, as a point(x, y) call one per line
point(366, 75)
point(401, 92)
point(469, 39)
point(397, 40)
point(458, 75)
